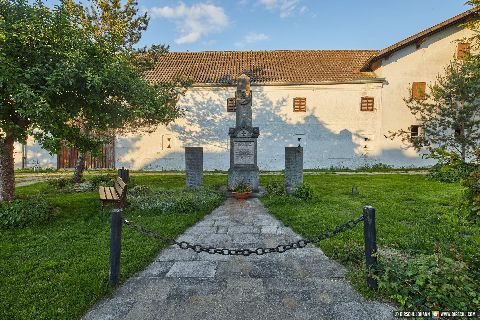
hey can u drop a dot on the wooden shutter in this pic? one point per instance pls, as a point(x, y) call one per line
point(367, 104)
point(231, 107)
point(463, 50)
point(418, 90)
point(299, 104)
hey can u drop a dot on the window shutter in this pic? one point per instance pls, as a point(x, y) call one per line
point(418, 90)
point(231, 105)
point(463, 49)
point(299, 104)
point(367, 104)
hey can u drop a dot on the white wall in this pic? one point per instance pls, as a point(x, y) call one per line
point(333, 130)
point(403, 68)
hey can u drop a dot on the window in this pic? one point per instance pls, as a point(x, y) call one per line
point(418, 90)
point(463, 50)
point(367, 104)
point(414, 131)
point(299, 104)
point(231, 105)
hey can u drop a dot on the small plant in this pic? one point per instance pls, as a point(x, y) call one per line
point(139, 191)
point(304, 192)
point(472, 193)
point(174, 201)
point(449, 168)
point(429, 282)
point(275, 188)
point(241, 187)
point(21, 213)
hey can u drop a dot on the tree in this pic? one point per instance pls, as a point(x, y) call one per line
point(123, 27)
point(449, 115)
point(59, 83)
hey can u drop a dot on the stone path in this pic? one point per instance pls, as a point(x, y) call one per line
point(298, 284)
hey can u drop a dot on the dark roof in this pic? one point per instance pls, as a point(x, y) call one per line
point(263, 67)
point(461, 18)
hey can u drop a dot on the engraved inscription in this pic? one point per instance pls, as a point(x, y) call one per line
point(243, 152)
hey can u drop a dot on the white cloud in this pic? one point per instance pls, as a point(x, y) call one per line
point(250, 38)
point(194, 21)
point(286, 7)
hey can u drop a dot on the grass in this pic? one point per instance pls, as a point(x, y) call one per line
point(59, 269)
point(413, 216)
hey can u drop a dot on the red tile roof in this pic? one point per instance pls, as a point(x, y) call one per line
point(285, 66)
point(458, 19)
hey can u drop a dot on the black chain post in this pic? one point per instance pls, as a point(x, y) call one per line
point(115, 245)
point(124, 174)
point(370, 236)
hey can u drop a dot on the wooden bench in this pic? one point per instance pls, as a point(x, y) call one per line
point(116, 194)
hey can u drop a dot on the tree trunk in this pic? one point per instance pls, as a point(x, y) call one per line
point(79, 168)
point(7, 174)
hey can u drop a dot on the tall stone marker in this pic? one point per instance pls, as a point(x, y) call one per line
point(194, 166)
point(243, 140)
point(293, 168)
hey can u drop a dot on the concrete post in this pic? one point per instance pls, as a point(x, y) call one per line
point(293, 168)
point(194, 166)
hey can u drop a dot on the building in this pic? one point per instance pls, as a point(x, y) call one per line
point(340, 105)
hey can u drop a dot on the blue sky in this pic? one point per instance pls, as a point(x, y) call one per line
point(199, 25)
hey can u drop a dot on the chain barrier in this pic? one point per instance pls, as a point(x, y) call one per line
point(246, 252)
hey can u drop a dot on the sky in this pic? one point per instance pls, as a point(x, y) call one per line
point(212, 25)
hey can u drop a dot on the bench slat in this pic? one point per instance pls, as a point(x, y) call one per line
point(102, 193)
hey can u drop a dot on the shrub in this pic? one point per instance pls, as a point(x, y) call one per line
point(304, 192)
point(275, 188)
point(472, 194)
point(21, 213)
point(175, 201)
point(66, 185)
point(429, 282)
point(449, 168)
point(139, 191)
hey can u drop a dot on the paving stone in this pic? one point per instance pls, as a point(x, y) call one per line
point(269, 229)
point(243, 230)
point(177, 254)
point(192, 269)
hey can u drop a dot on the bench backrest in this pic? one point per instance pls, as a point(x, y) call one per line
point(121, 188)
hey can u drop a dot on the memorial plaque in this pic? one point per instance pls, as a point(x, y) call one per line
point(244, 152)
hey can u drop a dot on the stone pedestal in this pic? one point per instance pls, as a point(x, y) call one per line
point(293, 168)
point(194, 166)
point(243, 140)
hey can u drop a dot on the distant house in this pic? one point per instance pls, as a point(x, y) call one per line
point(339, 105)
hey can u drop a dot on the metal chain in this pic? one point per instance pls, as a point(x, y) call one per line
point(246, 252)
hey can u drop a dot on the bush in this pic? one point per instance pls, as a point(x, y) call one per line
point(275, 188)
point(472, 194)
point(449, 168)
point(139, 191)
point(66, 185)
point(21, 213)
point(304, 192)
point(175, 201)
point(429, 282)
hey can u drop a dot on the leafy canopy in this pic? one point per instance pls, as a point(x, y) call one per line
point(59, 81)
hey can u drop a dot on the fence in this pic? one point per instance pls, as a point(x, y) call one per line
point(369, 234)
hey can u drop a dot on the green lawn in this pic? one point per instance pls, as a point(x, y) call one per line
point(58, 269)
point(412, 217)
